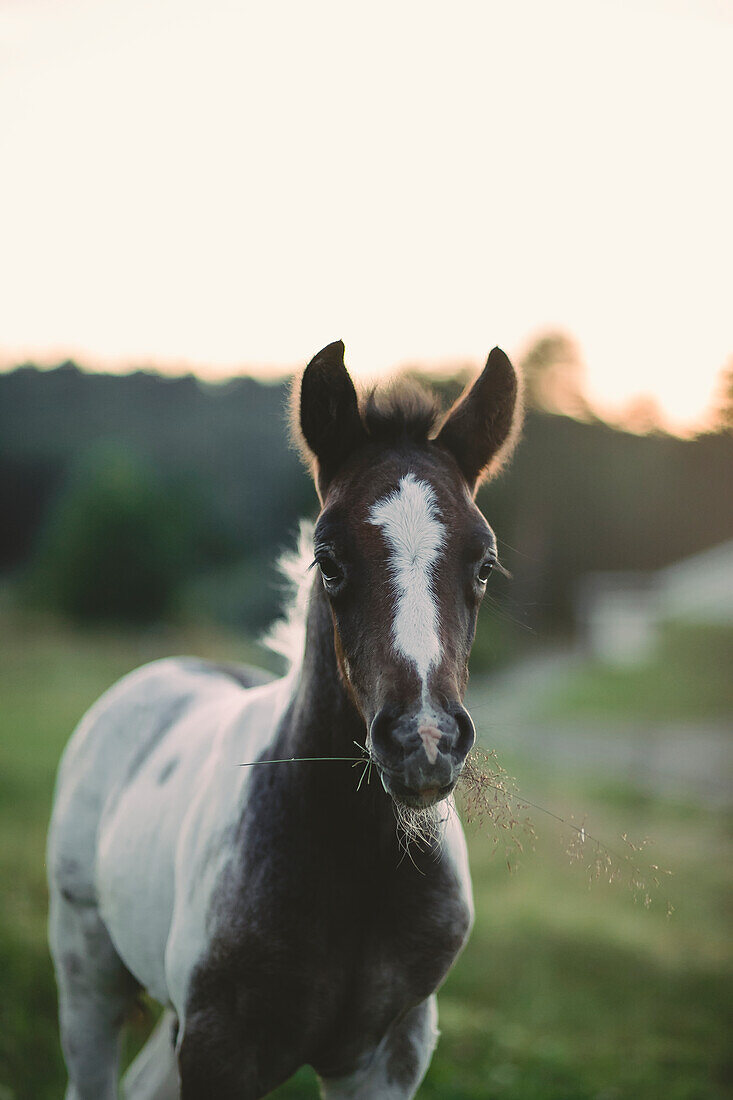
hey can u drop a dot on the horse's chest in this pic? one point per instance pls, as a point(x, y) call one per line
point(331, 956)
point(373, 980)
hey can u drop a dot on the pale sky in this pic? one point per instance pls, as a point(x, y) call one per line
point(221, 185)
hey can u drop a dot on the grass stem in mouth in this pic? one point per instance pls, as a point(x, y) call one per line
point(301, 760)
point(482, 774)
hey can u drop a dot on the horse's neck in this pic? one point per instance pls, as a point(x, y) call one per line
point(325, 721)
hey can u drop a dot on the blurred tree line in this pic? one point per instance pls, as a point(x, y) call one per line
point(133, 497)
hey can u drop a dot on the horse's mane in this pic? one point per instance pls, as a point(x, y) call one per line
point(286, 636)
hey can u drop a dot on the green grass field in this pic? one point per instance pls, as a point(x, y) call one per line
point(565, 992)
point(687, 676)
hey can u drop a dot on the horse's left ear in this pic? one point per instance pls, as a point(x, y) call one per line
point(481, 426)
point(329, 413)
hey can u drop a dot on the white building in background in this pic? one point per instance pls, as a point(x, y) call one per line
point(620, 613)
point(699, 589)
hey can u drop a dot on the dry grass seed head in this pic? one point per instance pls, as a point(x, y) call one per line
point(490, 796)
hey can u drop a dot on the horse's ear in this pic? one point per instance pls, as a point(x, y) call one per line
point(329, 412)
point(479, 429)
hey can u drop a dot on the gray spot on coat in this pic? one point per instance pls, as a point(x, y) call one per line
point(167, 770)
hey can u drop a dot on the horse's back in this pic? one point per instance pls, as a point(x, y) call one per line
point(124, 784)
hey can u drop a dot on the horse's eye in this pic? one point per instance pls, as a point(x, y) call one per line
point(484, 570)
point(330, 571)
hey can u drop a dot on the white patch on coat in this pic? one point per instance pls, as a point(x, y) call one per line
point(154, 1073)
point(454, 849)
point(411, 523)
point(138, 853)
point(417, 1035)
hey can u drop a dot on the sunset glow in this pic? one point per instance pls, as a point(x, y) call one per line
point(220, 186)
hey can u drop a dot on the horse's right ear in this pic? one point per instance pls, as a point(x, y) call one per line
point(479, 430)
point(329, 413)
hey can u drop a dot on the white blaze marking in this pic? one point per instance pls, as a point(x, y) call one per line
point(410, 520)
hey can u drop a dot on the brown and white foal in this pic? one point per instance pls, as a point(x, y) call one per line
point(269, 909)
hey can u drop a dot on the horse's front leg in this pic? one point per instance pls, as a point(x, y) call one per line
point(231, 1057)
point(210, 1063)
point(399, 1063)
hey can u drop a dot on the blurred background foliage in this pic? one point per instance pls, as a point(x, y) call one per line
point(116, 544)
point(143, 516)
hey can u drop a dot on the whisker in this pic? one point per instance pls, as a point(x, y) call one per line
point(503, 611)
point(514, 550)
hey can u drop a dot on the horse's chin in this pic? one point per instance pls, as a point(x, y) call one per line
point(414, 800)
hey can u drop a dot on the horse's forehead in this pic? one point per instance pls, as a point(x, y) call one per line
point(385, 503)
point(411, 487)
point(410, 510)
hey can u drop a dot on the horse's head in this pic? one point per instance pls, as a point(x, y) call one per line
point(404, 556)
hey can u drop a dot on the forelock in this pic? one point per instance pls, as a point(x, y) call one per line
point(402, 410)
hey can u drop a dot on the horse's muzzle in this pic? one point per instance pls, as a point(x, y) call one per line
point(420, 755)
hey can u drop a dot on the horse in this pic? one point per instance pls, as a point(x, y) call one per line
point(270, 908)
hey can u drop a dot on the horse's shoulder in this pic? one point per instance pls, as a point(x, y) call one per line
point(120, 732)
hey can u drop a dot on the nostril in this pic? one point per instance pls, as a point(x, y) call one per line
point(466, 731)
point(381, 734)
